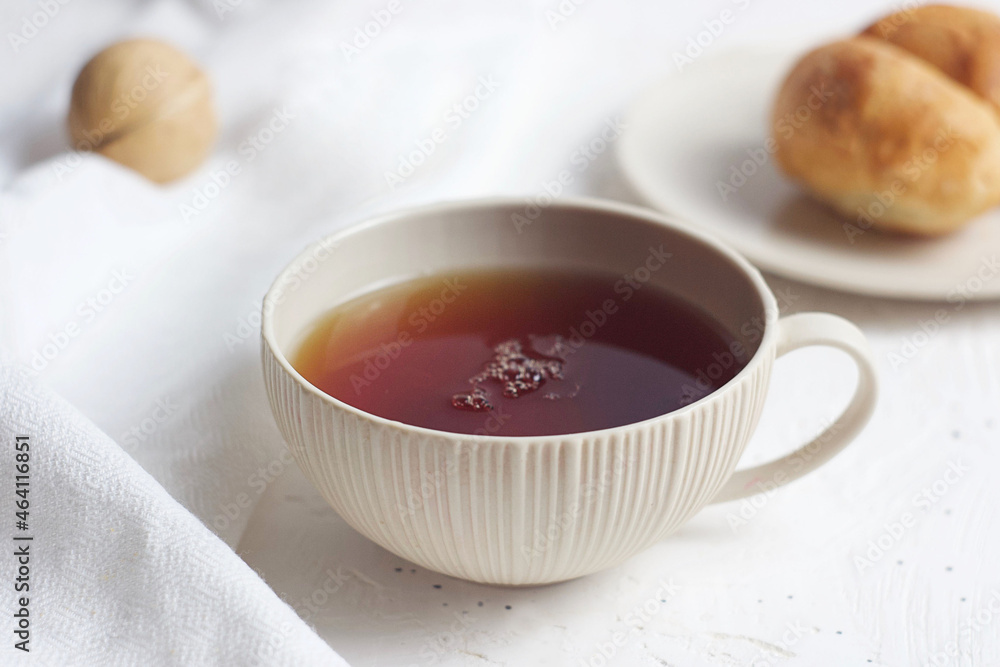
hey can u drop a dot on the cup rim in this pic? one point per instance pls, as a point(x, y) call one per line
point(591, 204)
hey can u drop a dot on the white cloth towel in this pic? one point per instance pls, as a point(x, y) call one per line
point(119, 572)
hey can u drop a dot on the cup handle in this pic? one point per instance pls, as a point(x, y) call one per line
point(803, 330)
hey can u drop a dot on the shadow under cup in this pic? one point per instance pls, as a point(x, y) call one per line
point(517, 510)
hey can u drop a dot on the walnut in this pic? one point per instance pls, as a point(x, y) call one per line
point(146, 105)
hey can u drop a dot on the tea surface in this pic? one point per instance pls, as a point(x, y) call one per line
point(518, 352)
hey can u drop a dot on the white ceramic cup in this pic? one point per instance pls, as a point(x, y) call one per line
point(534, 510)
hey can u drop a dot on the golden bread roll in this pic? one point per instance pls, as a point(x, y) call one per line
point(886, 138)
point(961, 42)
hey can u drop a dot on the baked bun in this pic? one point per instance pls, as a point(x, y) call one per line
point(961, 42)
point(886, 138)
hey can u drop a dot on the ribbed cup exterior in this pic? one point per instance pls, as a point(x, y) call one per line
point(517, 511)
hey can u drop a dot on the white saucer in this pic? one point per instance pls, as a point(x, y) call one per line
point(686, 135)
